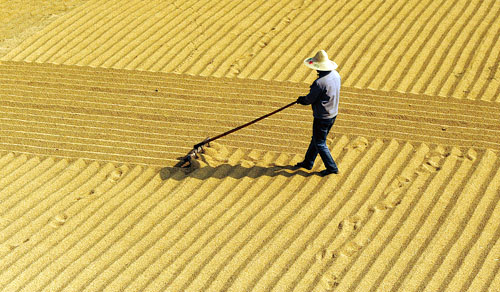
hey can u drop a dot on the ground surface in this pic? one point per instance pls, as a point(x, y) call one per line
point(98, 104)
point(20, 19)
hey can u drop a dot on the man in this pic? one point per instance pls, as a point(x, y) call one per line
point(324, 99)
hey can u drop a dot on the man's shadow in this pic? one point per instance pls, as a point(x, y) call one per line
point(234, 171)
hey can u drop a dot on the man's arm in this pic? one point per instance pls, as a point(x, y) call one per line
point(313, 95)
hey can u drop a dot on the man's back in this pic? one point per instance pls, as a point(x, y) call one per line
point(327, 105)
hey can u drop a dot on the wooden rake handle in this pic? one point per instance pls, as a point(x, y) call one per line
point(208, 140)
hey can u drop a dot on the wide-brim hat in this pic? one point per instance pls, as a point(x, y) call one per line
point(320, 62)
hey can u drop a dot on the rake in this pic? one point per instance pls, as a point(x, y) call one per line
point(198, 148)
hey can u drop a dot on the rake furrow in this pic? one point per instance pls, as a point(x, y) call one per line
point(149, 110)
point(97, 106)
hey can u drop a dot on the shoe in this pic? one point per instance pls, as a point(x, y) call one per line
point(326, 172)
point(302, 165)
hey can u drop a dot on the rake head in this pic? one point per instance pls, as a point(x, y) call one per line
point(186, 161)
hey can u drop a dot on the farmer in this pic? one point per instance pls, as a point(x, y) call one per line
point(324, 99)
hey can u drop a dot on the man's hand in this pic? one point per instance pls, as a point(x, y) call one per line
point(300, 99)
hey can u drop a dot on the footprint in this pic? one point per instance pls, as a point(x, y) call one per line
point(393, 188)
point(353, 247)
point(58, 220)
point(325, 254)
point(329, 282)
point(385, 205)
point(266, 39)
point(428, 167)
point(13, 245)
point(434, 162)
point(456, 152)
point(404, 179)
point(92, 192)
point(471, 155)
point(393, 204)
point(355, 221)
point(241, 62)
point(380, 206)
point(115, 175)
point(360, 143)
point(262, 44)
point(434, 159)
point(350, 224)
point(431, 164)
point(350, 249)
point(235, 70)
point(438, 151)
point(398, 185)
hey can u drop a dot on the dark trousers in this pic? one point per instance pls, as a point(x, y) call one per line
point(321, 128)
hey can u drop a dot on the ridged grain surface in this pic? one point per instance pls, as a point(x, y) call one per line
point(246, 221)
point(20, 19)
point(444, 48)
point(99, 206)
point(90, 200)
point(154, 118)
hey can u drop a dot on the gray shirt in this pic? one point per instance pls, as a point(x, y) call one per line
point(324, 95)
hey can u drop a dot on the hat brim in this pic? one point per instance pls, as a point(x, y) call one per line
point(321, 66)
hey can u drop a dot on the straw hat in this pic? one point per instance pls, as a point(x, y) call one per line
point(320, 62)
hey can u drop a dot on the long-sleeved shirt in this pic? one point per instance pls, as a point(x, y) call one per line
point(324, 95)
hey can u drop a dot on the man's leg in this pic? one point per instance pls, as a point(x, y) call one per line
point(323, 128)
point(312, 151)
point(311, 154)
